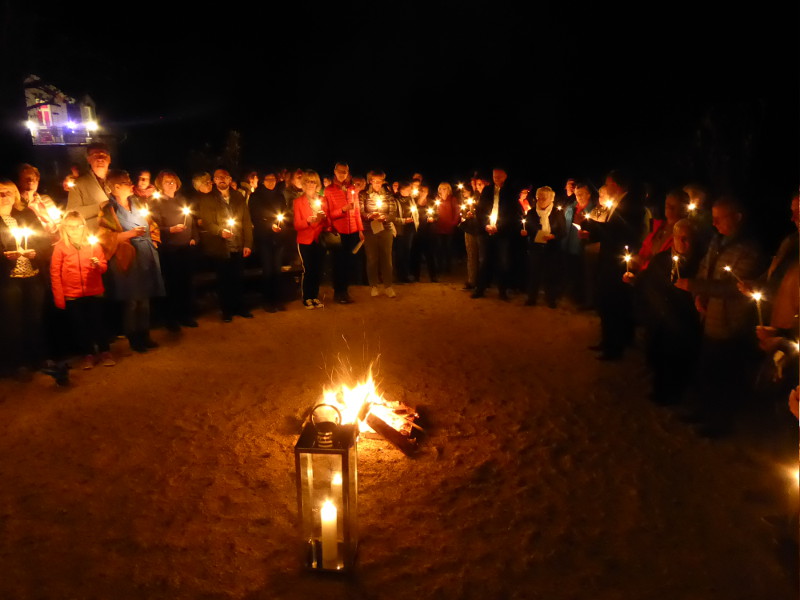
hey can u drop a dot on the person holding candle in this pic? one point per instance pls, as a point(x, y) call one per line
point(660, 239)
point(575, 271)
point(409, 220)
point(178, 252)
point(310, 219)
point(544, 229)
point(226, 237)
point(447, 210)
point(76, 274)
point(90, 191)
point(42, 205)
point(499, 216)
point(129, 236)
point(728, 347)
point(469, 225)
point(621, 225)
point(379, 209)
point(144, 188)
point(423, 245)
point(22, 288)
point(268, 212)
point(345, 216)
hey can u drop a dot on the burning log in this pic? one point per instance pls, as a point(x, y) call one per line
point(405, 444)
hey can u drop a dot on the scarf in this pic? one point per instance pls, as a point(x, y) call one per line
point(544, 217)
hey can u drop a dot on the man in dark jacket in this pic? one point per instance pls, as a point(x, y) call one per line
point(499, 219)
point(268, 213)
point(227, 238)
point(619, 235)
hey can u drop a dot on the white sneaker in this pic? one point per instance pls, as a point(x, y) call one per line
point(390, 292)
point(309, 304)
point(374, 291)
point(317, 303)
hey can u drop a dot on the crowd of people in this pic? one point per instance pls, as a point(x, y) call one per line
point(718, 319)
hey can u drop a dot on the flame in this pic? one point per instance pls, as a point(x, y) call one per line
point(361, 400)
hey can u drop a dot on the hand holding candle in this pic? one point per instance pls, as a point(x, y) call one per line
point(186, 212)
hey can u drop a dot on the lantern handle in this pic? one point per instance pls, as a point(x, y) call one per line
point(338, 412)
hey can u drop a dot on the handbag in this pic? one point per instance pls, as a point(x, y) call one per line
point(330, 240)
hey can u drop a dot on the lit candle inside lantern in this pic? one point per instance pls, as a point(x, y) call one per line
point(186, 212)
point(757, 296)
point(336, 487)
point(729, 270)
point(330, 547)
point(157, 195)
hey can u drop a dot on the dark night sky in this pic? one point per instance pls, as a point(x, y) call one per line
point(445, 87)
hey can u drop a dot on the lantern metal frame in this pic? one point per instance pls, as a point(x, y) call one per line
point(328, 474)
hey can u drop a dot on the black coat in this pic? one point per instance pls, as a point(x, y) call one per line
point(509, 211)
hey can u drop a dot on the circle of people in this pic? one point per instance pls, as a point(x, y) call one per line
point(690, 272)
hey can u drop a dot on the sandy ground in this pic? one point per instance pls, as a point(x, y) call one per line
point(545, 474)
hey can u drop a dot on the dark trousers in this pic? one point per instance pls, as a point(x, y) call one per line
point(177, 268)
point(494, 261)
point(544, 268)
point(270, 255)
point(312, 256)
point(573, 283)
point(444, 252)
point(230, 283)
point(402, 253)
point(88, 324)
point(343, 263)
point(22, 340)
point(615, 306)
point(422, 247)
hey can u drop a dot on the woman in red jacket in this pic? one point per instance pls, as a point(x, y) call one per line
point(448, 215)
point(309, 221)
point(76, 273)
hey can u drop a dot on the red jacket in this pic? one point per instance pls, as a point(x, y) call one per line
point(72, 273)
point(449, 215)
point(307, 233)
point(343, 221)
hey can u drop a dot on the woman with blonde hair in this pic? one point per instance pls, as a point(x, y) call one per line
point(310, 219)
point(448, 216)
point(76, 271)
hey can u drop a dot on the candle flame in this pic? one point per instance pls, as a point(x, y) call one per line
point(727, 268)
point(337, 479)
point(437, 203)
point(231, 222)
point(608, 203)
point(460, 186)
point(692, 207)
point(328, 511)
point(628, 258)
point(430, 211)
point(54, 213)
point(576, 226)
point(70, 184)
point(157, 195)
point(280, 218)
point(92, 239)
point(186, 210)
point(143, 212)
point(757, 296)
point(675, 258)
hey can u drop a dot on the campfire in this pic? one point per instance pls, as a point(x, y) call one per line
point(376, 416)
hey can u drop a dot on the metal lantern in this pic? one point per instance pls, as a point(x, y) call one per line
point(327, 485)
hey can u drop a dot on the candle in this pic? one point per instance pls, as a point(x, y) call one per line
point(524, 225)
point(437, 203)
point(692, 207)
point(729, 270)
point(627, 258)
point(608, 204)
point(92, 239)
point(279, 219)
point(26, 233)
point(186, 212)
point(430, 212)
point(144, 213)
point(379, 203)
point(17, 233)
point(677, 262)
point(493, 219)
point(231, 222)
point(70, 184)
point(318, 204)
point(157, 195)
point(330, 546)
point(460, 186)
point(757, 296)
point(415, 192)
point(576, 226)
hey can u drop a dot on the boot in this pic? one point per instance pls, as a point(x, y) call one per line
point(137, 342)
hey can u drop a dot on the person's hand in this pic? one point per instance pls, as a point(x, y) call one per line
point(360, 236)
point(628, 277)
point(12, 255)
point(192, 242)
point(29, 253)
point(699, 305)
point(794, 398)
point(276, 228)
point(246, 252)
point(524, 233)
point(583, 234)
point(682, 284)
point(382, 218)
point(763, 332)
point(549, 237)
point(95, 262)
point(491, 229)
point(177, 228)
point(226, 234)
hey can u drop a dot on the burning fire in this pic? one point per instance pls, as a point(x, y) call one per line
point(364, 400)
